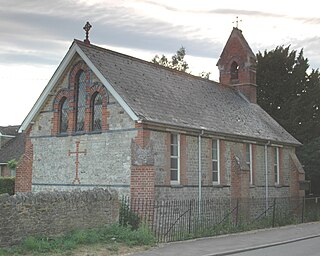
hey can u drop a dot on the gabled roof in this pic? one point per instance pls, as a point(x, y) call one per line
point(11, 130)
point(152, 93)
point(236, 35)
point(13, 149)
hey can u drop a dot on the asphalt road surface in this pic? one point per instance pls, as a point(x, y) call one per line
point(308, 247)
point(295, 240)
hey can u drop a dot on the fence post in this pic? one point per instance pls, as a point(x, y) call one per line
point(273, 212)
point(302, 210)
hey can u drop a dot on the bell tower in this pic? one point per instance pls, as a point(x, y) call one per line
point(237, 66)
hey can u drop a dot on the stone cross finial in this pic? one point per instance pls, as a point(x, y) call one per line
point(87, 28)
point(237, 21)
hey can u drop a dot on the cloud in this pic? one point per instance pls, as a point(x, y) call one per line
point(41, 31)
point(39, 28)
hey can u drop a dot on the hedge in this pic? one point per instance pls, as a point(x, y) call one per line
point(7, 185)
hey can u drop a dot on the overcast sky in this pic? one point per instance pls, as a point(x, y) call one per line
point(36, 34)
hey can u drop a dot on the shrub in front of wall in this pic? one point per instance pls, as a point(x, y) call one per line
point(7, 185)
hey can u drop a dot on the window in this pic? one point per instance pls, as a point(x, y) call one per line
point(174, 159)
point(234, 70)
point(249, 161)
point(63, 115)
point(81, 101)
point(215, 162)
point(96, 112)
point(276, 166)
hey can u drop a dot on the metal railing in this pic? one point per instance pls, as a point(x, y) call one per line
point(179, 219)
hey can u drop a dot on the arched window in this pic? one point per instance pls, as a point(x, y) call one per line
point(234, 70)
point(63, 114)
point(96, 110)
point(81, 101)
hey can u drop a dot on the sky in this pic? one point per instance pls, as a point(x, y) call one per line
point(36, 34)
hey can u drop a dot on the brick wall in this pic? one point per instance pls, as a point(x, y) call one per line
point(230, 173)
point(142, 177)
point(142, 182)
point(24, 168)
point(54, 213)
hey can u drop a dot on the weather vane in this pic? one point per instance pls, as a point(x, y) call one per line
point(87, 28)
point(237, 22)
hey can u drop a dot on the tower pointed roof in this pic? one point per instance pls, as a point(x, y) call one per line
point(236, 38)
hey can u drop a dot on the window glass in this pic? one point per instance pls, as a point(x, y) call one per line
point(215, 162)
point(174, 158)
point(63, 115)
point(97, 112)
point(81, 101)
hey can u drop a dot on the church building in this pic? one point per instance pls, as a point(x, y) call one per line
point(110, 120)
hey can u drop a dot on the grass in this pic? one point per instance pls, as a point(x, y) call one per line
point(111, 237)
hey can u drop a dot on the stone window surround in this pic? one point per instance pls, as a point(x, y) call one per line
point(249, 161)
point(175, 182)
point(276, 165)
point(217, 160)
point(92, 90)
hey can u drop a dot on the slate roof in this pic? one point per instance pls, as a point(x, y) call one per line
point(162, 95)
point(13, 149)
point(9, 130)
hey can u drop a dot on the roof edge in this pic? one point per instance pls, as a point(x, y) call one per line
point(203, 130)
point(56, 75)
point(105, 82)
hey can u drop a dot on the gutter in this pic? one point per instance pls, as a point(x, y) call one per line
point(221, 135)
point(199, 174)
point(7, 136)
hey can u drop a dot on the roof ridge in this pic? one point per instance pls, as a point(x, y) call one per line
point(182, 73)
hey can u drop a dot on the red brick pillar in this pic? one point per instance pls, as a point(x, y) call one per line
point(142, 180)
point(142, 166)
point(239, 177)
point(24, 168)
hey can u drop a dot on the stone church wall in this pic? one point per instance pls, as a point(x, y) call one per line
point(54, 213)
point(104, 158)
point(188, 187)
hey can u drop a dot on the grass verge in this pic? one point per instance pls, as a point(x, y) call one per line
point(110, 236)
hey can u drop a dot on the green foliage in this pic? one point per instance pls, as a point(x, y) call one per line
point(128, 217)
point(12, 164)
point(177, 62)
point(7, 185)
point(112, 236)
point(290, 93)
point(205, 75)
point(309, 155)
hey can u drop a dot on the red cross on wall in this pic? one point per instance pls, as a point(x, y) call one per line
point(77, 152)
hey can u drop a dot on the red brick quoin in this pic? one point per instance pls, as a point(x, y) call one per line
point(142, 181)
point(24, 168)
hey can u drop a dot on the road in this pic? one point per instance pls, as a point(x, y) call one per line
point(295, 240)
point(309, 247)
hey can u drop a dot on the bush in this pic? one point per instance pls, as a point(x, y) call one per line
point(7, 185)
point(127, 217)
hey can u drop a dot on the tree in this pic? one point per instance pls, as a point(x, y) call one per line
point(291, 95)
point(177, 62)
point(287, 92)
